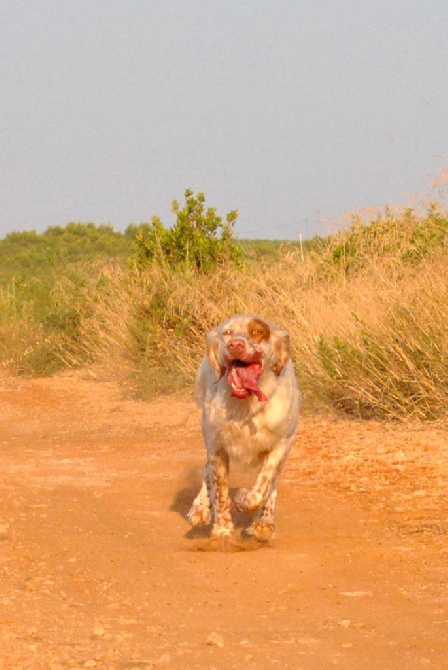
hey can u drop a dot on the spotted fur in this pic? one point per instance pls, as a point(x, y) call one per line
point(256, 433)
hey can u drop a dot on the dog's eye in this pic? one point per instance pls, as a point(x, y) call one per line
point(227, 331)
point(255, 332)
point(258, 331)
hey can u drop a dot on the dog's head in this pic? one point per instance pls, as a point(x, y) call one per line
point(243, 346)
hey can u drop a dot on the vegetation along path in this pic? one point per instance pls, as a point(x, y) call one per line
point(99, 568)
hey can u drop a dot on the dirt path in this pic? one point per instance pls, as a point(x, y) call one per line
point(100, 570)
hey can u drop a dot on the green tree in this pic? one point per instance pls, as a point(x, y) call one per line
point(199, 239)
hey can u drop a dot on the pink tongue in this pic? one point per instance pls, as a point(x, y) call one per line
point(243, 380)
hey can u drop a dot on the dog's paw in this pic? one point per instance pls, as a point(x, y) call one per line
point(261, 530)
point(199, 515)
point(223, 531)
point(246, 500)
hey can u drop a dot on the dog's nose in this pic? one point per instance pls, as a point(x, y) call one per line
point(236, 347)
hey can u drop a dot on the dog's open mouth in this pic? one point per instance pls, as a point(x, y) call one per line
point(243, 379)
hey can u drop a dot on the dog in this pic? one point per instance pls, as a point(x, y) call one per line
point(250, 400)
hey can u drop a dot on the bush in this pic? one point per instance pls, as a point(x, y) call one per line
point(198, 241)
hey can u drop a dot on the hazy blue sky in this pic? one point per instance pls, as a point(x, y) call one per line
point(288, 110)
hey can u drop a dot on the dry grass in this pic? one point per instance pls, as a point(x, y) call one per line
point(372, 346)
point(369, 331)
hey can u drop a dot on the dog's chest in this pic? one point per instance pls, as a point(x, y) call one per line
point(244, 438)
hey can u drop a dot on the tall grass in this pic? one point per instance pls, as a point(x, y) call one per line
point(367, 317)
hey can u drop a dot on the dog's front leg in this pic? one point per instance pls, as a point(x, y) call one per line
point(263, 525)
point(249, 500)
point(218, 493)
point(199, 513)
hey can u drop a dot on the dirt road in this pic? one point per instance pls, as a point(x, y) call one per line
point(99, 568)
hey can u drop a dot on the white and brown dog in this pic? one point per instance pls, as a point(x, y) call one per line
point(248, 392)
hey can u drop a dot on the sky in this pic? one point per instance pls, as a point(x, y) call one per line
point(294, 112)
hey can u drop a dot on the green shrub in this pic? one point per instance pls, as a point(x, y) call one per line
point(198, 241)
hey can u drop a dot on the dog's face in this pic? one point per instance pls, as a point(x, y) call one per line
point(243, 346)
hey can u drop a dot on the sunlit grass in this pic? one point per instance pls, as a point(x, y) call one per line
point(367, 317)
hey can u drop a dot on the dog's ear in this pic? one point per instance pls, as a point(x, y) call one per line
point(215, 353)
point(281, 350)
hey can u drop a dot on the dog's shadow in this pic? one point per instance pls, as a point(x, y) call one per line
point(200, 535)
